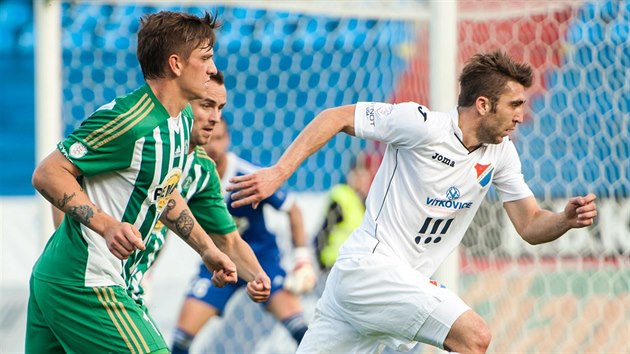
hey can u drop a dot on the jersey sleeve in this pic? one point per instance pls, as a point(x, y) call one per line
point(280, 200)
point(509, 180)
point(210, 210)
point(403, 125)
point(100, 144)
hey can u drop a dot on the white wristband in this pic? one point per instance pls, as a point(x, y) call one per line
point(301, 254)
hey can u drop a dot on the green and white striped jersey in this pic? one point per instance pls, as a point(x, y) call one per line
point(200, 185)
point(131, 153)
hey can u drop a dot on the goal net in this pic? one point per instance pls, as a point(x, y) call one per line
point(286, 61)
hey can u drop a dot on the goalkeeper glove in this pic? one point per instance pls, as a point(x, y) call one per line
point(302, 278)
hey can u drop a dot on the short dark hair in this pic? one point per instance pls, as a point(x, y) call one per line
point(488, 74)
point(167, 32)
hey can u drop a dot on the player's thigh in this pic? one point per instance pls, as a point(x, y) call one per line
point(284, 304)
point(327, 335)
point(469, 333)
point(381, 296)
point(446, 320)
point(202, 290)
point(98, 320)
point(194, 315)
point(39, 336)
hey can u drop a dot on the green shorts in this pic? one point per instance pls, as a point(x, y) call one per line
point(67, 319)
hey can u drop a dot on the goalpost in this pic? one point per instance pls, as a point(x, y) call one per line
point(285, 61)
point(48, 85)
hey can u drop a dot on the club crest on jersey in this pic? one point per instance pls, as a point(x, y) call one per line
point(453, 193)
point(384, 109)
point(77, 150)
point(160, 194)
point(484, 173)
point(187, 182)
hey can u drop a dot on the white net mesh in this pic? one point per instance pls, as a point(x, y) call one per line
point(284, 66)
point(281, 69)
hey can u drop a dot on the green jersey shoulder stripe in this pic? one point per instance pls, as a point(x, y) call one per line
point(121, 124)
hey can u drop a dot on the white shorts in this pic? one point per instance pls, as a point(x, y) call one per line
point(372, 300)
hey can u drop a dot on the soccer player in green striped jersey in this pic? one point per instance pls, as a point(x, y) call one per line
point(114, 177)
point(200, 185)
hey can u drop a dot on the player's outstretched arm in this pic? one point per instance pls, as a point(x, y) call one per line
point(249, 269)
point(56, 180)
point(179, 219)
point(257, 186)
point(536, 225)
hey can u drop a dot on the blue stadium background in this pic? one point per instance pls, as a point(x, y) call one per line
point(271, 99)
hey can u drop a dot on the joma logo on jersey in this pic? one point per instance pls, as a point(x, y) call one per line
point(160, 194)
point(444, 160)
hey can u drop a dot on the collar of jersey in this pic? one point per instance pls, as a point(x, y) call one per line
point(455, 120)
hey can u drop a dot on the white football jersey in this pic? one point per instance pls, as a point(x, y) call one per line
point(429, 186)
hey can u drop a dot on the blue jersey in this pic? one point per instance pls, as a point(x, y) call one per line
point(251, 222)
point(253, 229)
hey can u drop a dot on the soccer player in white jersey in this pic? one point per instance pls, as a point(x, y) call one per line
point(114, 177)
point(436, 170)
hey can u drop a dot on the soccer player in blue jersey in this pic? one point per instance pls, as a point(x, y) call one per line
point(114, 177)
point(205, 300)
point(436, 170)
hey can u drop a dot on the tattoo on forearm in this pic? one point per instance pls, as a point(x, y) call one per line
point(170, 205)
point(184, 223)
point(66, 198)
point(81, 213)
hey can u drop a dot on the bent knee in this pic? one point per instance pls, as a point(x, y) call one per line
point(469, 334)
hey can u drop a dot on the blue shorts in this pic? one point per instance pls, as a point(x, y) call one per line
point(201, 287)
